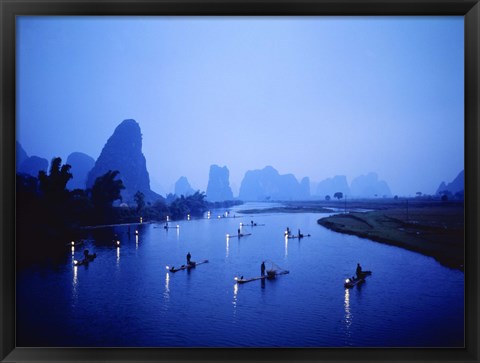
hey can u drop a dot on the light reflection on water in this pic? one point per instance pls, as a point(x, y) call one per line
point(307, 306)
point(234, 302)
point(166, 294)
point(348, 314)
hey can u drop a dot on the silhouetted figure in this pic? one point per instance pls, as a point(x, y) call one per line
point(189, 256)
point(359, 270)
point(262, 268)
point(238, 230)
point(299, 234)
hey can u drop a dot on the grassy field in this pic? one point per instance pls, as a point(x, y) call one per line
point(431, 227)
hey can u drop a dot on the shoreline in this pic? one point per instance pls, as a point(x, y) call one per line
point(430, 231)
point(430, 227)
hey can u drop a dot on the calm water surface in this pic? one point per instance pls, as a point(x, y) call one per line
point(126, 297)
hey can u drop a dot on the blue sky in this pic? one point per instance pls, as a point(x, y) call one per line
point(312, 96)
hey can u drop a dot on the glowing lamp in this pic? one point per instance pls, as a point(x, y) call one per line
point(75, 262)
point(73, 243)
point(235, 278)
point(168, 268)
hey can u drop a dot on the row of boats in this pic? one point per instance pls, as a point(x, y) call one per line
point(270, 273)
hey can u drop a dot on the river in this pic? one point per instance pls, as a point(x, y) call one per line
point(127, 298)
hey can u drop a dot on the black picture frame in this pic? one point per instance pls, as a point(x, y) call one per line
point(9, 9)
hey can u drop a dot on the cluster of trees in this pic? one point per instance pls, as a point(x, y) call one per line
point(338, 195)
point(47, 202)
point(178, 207)
point(46, 211)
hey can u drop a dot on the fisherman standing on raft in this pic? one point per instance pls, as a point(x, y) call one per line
point(262, 268)
point(359, 270)
point(189, 256)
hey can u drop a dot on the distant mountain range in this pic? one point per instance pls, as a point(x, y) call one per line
point(123, 152)
point(183, 187)
point(81, 164)
point(30, 165)
point(454, 187)
point(268, 184)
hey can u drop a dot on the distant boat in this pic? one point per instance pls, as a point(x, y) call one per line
point(238, 235)
point(298, 236)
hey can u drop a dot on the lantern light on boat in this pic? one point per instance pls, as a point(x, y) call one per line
point(73, 243)
point(118, 243)
point(235, 278)
point(75, 262)
point(168, 268)
point(188, 216)
point(141, 219)
point(136, 232)
point(347, 281)
point(228, 236)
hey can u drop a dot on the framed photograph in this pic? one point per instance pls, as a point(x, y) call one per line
point(242, 181)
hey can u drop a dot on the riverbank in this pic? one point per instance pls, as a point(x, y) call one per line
point(432, 228)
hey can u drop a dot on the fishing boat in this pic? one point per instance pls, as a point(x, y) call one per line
point(299, 236)
point(238, 235)
point(241, 280)
point(74, 244)
point(85, 261)
point(273, 271)
point(351, 282)
point(188, 266)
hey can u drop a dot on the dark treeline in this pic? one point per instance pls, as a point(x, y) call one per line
point(48, 215)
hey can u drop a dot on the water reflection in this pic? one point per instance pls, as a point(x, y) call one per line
point(136, 241)
point(166, 294)
point(74, 286)
point(348, 315)
point(227, 247)
point(118, 255)
point(75, 277)
point(286, 246)
point(234, 302)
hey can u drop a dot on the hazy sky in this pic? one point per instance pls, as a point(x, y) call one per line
point(312, 96)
